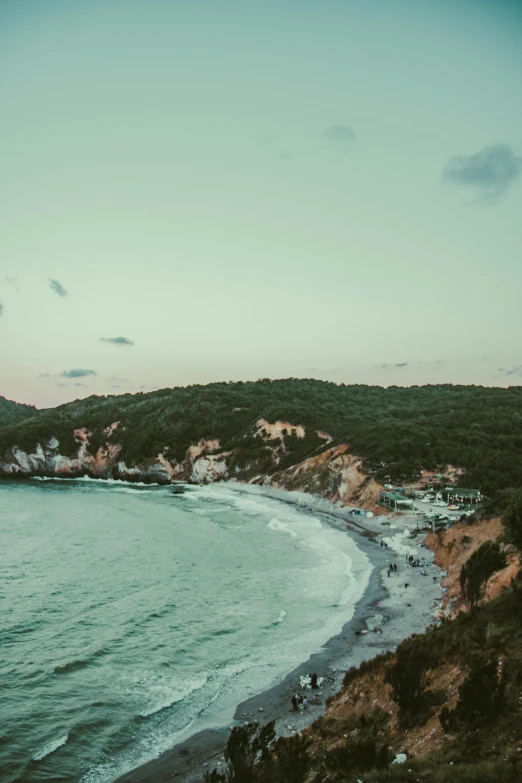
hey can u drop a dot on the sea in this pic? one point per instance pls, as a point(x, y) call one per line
point(132, 616)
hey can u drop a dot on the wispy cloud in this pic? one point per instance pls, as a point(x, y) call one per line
point(44, 375)
point(83, 385)
point(488, 173)
point(117, 379)
point(339, 136)
point(511, 371)
point(63, 385)
point(414, 364)
point(57, 287)
point(76, 373)
point(117, 340)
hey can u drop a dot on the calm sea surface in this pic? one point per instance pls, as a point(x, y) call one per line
point(131, 615)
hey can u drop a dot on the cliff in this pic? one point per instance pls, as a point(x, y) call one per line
point(333, 473)
point(449, 700)
point(454, 546)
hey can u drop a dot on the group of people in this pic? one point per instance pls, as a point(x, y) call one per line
point(300, 702)
point(417, 563)
point(392, 569)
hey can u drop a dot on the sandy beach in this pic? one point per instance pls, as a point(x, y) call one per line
point(387, 613)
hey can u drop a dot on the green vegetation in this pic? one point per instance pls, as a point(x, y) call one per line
point(512, 520)
point(253, 756)
point(484, 728)
point(397, 430)
point(477, 571)
point(14, 412)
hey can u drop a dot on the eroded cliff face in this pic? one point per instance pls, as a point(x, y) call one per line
point(334, 474)
point(454, 546)
point(331, 471)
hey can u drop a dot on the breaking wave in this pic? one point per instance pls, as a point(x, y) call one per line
point(50, 748)
point(166, 695)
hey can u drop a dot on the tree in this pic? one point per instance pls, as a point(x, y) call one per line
point(512, 521)
point(477, 571)
point(245, 747)
point(293, 761)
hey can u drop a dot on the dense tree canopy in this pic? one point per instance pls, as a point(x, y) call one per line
point(397, 430)
point(512, 521)
point(477, 571)
point(13, 412)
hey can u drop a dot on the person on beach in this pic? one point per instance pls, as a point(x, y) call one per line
point(395, 566)
point(313, 679)
point(294, 702)
point(305, 703)
point(388, 573)
point(406, 584)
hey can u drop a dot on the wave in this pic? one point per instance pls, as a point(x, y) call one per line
point(70, 667)
point(50, 748)
point(282, 615)
point(168, 696)
point(100, 481)
point(282, 527)
point(133, 491)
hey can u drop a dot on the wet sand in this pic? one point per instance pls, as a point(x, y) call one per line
point(386, 614)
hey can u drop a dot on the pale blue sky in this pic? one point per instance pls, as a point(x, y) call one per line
point(258, 189)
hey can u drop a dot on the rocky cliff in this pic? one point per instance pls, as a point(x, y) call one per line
point(454, 546)
point(331, 471)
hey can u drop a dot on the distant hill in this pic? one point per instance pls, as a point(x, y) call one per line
point(14, 412)
point(395, 432)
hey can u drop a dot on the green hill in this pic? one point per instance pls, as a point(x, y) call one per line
point(396, 430)
point(14, 412)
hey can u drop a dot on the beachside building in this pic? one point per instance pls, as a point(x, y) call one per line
point(395, 501)
point(464, 497)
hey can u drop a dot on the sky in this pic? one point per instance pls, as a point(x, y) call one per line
point(202, 191)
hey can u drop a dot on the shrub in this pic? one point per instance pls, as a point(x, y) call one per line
point(512, 520)
point(481, 698)
point(478, 569)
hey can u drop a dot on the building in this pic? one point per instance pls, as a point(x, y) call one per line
point(464, 497)
point(395, 501)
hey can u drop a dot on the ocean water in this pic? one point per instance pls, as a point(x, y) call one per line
point(132, 616)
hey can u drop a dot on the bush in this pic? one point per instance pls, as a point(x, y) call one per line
point(512, 520)
point(481, 698)
point(359, 755)
point(477, 571)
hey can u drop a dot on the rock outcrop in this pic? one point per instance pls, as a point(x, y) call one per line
point(331, 471)
point(454, 546)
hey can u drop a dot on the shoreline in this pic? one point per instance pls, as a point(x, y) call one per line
point(386, 613)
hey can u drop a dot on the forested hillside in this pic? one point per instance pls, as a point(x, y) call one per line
point(14, 412)
point(396, 430)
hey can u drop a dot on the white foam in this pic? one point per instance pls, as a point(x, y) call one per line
point(163, 693)
point(132, 491)
point(50, 748)
point(276, 524)
point(100, 481)
point(282, 615)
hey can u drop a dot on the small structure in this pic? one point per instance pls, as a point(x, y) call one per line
point(465, 497)
point(395, 501)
